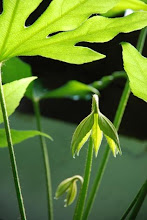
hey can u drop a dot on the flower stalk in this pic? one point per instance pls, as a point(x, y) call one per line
point(93, 126)
point(83, 192)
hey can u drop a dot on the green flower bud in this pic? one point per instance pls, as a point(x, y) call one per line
point(95, 125)
point(68, 186)
point(71, 194)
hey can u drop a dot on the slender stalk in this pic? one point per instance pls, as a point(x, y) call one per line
point(139, 198)
point(105, 158)
point(141, 40)
point(117, 121)
point(11, 151)
point(45, 160)
point(83, 192)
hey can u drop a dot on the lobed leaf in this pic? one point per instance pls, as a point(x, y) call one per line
point(61, 15)
point(96, 29)
point(82, 134)
point(119, 8)
point(12, 98)
point(19, 136)
point(135, 66)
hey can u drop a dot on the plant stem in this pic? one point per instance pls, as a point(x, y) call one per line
point(11, 151)
point(105, 158)
point(139, 198)
point(141, 40)
point(83, 192)
point(117, 121)
point(45, 160)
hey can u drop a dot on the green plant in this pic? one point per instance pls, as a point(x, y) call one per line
point(72, 18)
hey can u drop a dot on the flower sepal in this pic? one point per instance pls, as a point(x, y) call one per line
point(95, 125)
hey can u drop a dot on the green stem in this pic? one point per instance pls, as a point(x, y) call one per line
point(45, 159)
point(83, 192)
point(117, 121)
point(11, 151)
point(101, 169)
point(106, 80)
point(139, 198)
point(141, 40)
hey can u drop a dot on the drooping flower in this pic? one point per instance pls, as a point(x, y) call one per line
point(95, 125)
point(68, 186)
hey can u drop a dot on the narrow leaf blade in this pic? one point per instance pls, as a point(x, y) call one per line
point(71, 89)
point(19, 136)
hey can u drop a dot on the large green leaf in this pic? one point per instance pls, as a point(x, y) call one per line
point(96, 29)
point(135, 5)
point(19, 136)
point(61, 15)
point(135, 66)
point(13, 93)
